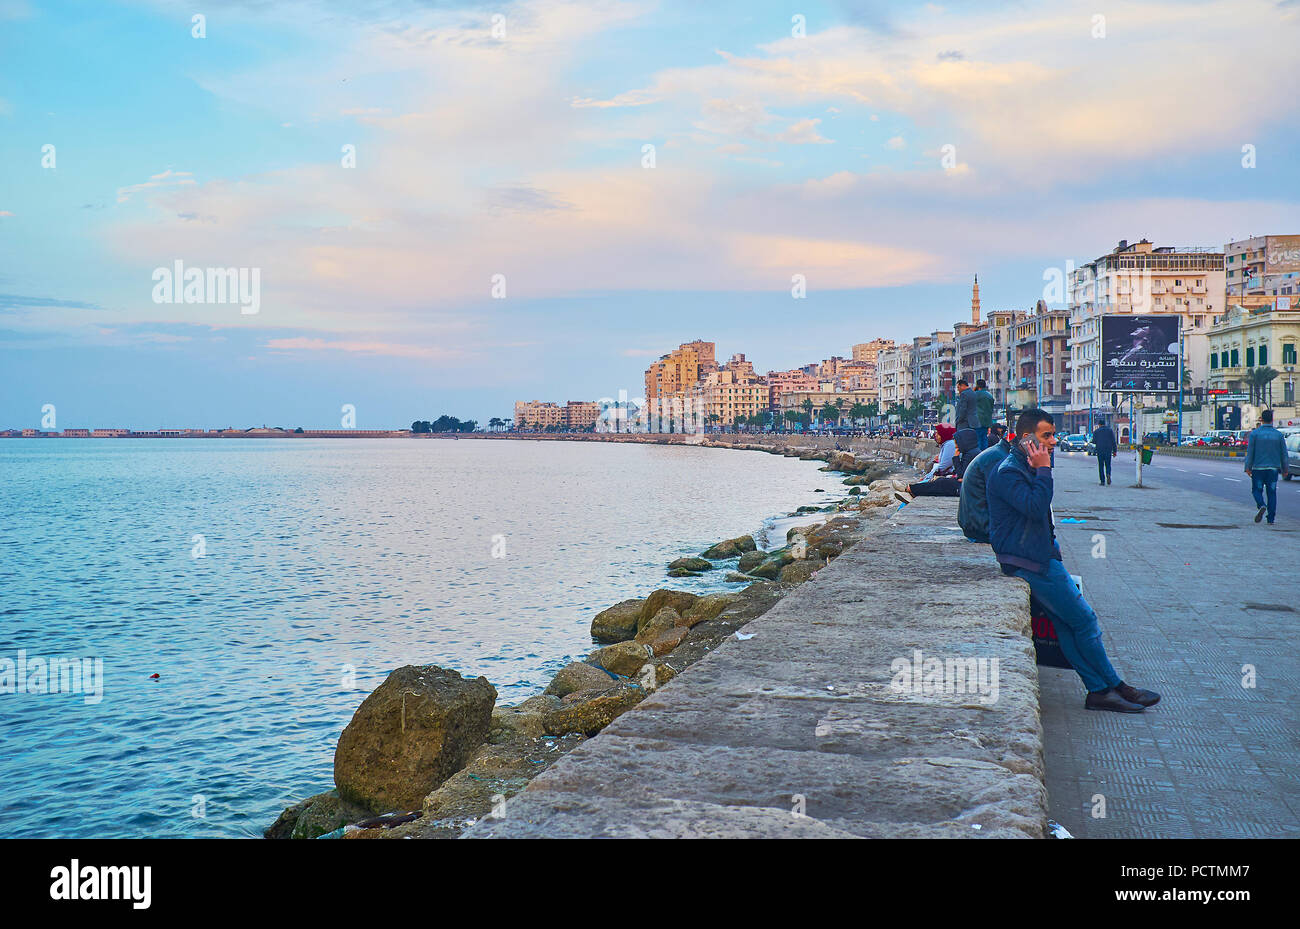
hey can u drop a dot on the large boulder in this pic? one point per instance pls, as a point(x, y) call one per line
point(412, 733)
point(624, 658)
point(663, 621)
point(750, 560)
point(707, 608)
point(730, 548)
point(578, 675)
point(590, 711)
point(618, 623)
point(679, 600)
point(525, 720)
point(800, 571)
point(316, 816)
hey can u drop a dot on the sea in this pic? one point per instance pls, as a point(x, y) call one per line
point(186, 625)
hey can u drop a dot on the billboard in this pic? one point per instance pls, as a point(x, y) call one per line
point(1139, 354)
point(1282, 254)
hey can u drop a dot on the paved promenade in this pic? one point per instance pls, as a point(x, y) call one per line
point(1190, 590)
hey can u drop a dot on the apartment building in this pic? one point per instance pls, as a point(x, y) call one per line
point(1263, 266)
point(933, 366)
point(732, 391)
point(1041, 360)
point(779, 382)
point(675, 375)
point(894, 370)
point(1139, 278)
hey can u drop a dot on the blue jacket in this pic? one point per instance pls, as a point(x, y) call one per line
point(1266, 448)
point(1103, 437)
point(973, 507)
point(1020, 514)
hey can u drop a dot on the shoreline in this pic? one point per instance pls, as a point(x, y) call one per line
point(637, 645)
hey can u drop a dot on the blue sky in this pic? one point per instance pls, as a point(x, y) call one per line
point(520, 153)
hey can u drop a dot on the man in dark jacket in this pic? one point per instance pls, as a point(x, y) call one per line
point(967, 416)
point(1023, 538)
point(973, 508)
point(1265, 460)
point(1103, 438)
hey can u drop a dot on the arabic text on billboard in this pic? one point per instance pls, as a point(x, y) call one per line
point(1139, 354)
point(1282, 255)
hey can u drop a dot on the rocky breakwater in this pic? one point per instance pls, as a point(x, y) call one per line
point(427, 754)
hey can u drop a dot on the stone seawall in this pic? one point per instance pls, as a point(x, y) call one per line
point(809, 726)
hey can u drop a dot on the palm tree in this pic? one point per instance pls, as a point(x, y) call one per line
point(1258, 379)
point(859, 411)
point(873, 410)
point(829, 413)
point(807, 410)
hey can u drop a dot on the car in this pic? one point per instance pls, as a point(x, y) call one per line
point(1076, 442)
point(1292, 437)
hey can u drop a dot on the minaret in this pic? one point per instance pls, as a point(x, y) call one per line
point(975, 303)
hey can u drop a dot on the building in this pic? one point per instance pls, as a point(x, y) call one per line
point(844, 400)
point(76, 433)
point(109, 433)
point(1264, 266)
point(1248, 337)
point(1137, 278)
point(580, 415)
point(537, 416)
point(1041, 363)
point(894, 371)
point(869, 352)
point(732, 392)
point(933, 367)
point(779, 382)
point(675, 375)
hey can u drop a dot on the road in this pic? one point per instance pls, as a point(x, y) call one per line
point(1222, 478)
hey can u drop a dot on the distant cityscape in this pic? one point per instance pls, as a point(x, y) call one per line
point(1239, 311)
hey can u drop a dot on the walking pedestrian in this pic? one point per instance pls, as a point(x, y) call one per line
point(1265, 460)
point(967, 417)
point(1024, 540)
point(1103, 439)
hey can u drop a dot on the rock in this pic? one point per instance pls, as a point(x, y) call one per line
point(770, 569)
point(879, 498)
point(829, 550)
point(663, 621)
point(682, 572)
point(808, 509)
point(691, 564)
point(679, 600)
point(525, 720)
point(618, 623)
point(800, 571)
point(589, 711)
point(858, 479)
point(413, 732)
point(854, 490)
point(720, 551)
point(578, 675)
point(316, 816)
point(624, 659)
point(735, 577)
point(751, 560)
point(707, 608)
point(666, 641)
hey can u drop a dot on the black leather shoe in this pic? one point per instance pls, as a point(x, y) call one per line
point(1134, 695)
point(1110, 700)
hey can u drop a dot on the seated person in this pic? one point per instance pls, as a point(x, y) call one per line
point(942, 481)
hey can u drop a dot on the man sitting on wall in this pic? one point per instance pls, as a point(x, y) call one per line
point(1024, 540)
point(973, 510)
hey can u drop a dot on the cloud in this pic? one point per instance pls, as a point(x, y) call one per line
point(168, 178)
point(305, 344)
point(11, 301)
point(896, 143)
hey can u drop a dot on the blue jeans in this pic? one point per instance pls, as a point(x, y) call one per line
point(1103, 467)
point(1261, 478)
point(1076, 624)
point(982, 433)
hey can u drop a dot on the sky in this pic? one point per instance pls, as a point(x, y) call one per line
point(447, 207)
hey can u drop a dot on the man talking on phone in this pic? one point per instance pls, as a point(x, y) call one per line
point(1024, 540)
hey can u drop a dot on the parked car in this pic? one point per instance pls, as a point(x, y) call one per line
point(1076, 442)
point(1292, 436)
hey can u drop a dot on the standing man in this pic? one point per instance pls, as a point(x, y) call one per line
point(1103, 437)
point(973, 507)
point(967, 417)
point(1021, 532)
point(984, 413)
point(1265, 459)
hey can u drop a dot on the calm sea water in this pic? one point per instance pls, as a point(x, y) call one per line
point(324, 566)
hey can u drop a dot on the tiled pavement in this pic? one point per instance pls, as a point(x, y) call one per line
point(1182, 609)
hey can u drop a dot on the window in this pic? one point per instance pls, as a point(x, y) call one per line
point(1288, 353)
point(1263, 354)
point(1214, 359)
point(1250, 357)
point(1236, 358)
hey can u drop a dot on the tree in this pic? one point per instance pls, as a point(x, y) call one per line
point(859, 411)
point(1258, 380)
point(830, 412)
point(807, 411)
